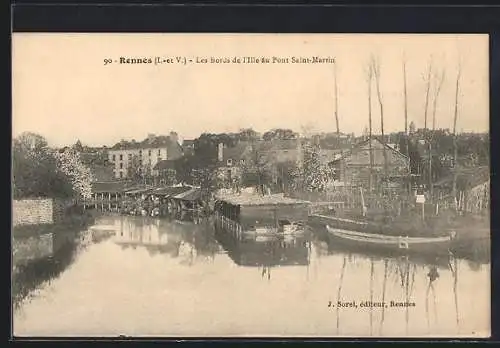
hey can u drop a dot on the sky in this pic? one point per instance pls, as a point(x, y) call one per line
point(63, 91)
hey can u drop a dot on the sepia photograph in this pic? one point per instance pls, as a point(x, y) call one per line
point(250, 185)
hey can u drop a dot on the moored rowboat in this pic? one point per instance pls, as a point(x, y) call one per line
point(394, 243)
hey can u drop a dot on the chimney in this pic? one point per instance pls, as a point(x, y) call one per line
point(220, 152)
point(174, 137)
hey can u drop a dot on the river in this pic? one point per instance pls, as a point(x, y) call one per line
point(165, 277)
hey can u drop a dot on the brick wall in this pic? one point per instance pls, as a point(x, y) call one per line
point(38, 211)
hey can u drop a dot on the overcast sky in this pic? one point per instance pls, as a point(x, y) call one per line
point(63, 91)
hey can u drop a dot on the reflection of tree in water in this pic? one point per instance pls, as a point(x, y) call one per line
point(32, 276)
point(402, 272)
point(432, 275)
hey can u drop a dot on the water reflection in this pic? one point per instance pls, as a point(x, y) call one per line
point(210, 284)
point(265, 252)
point(28, 278)
point(181, 236)
point(440, 281)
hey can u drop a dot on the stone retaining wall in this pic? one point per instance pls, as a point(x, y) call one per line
point(38, 211)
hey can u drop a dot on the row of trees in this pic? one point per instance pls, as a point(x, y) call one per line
point(41, 171)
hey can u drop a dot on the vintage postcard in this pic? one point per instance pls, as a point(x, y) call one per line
point(263, 185)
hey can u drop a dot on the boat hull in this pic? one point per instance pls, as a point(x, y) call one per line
point(389, 244)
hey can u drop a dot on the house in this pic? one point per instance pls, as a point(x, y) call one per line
point(231, 160)
point(353, 166)
point(280, 150)
point(188, 147)
point(165, 172)
point(143, 156)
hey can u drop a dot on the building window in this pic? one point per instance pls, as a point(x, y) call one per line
point(121, 165)
point(159, 152)
point(229, 162)
point(121, 157)
point(140, 152)
point(129, 156)
point(114, 158)
point(121, 175)
point(149, 152)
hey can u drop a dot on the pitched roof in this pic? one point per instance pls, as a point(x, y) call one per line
point(359, 145)
point(151, 142)
point(108, 187)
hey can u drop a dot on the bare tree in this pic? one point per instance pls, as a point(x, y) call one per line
point(406, 120)
point(405, 95)
point(336, 103)
point(376, 74)
point(455, 148)
point(439, 79)
point(369, 73)
point(427, 80)
point(428, 87)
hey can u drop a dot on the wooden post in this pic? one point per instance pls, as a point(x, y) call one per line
point(423, 211)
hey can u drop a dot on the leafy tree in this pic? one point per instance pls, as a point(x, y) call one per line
point(311, 174)
point(248, 134)
point(37, 170)
point(134, 169)
point(257, 169)
point(78, 146)
point(68, 161)
point(279, 134)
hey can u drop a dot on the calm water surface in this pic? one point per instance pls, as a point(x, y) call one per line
point(155, 277)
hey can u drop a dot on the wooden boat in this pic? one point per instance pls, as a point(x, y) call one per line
point(342, 223)
point(403, 244)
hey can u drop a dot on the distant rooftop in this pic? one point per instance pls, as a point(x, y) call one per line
point(152, 141)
